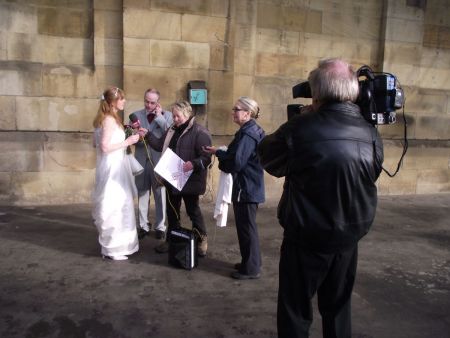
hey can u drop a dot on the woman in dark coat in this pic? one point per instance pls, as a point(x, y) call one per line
point(241, 160)
point(187, 139)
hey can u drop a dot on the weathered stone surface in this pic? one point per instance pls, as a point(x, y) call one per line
point(244, 62)
point(215, 8)
point(436, 36)
point(18, 18)
point(20, 78)
point(21, 152)
point(112, 4)
point(141, 23)
point(109, 52)
point(108, 24)
point(197, 28)
point(8, 113)
point(67, 81)
point(277, 41)
point(175, 54)
point(55, 114)
point(136, 52)
point(65, 22)
point(341, 24)
point(430, 181)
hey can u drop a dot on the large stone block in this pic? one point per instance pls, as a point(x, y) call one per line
point(109, 52)
point(436, 36)
point(68, 152)
point(219, 120)
point(277, 41)
point(65, 22)
point(245, 37)
point(404, 30)
point(272, 90)
point(136, 52)
point(289, 18)
point(18, 18)
point(111, 4)
point(108, 24)
point(20, 78)
point(67, 81)
point(435, 57)
point(21, 152)
point(427, 155)
point(7, 113)
point(433, 127)
point(244, 85)
point(175, 54)
point(403, 53)
point(220, 57)
point(141, 23)
point(405, 182)
point(55, 114)
point(105, 76)
point(434, 78)
point(293, 66)
point(220, 86)
point(215, 8)
point(244, 62)
point(68, 187)
point(426, 102)
point(3, 45)
point(341, 24)
point(267, 64)
point(198, 28)
point(170, 81)
point(433, 180)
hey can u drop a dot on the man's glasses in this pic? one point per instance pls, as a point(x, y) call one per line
point(149, 102)
point(236, 109)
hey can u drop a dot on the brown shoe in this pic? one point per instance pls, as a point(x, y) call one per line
point(202, 245)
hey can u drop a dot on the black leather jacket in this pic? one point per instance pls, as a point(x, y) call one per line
point(331, 159)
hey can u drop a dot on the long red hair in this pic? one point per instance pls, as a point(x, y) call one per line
point(110, 95)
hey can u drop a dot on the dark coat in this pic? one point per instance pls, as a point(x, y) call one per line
point(242, 162)
point(331, 159)
point(189, 147)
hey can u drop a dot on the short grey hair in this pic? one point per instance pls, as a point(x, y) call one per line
point(334, 80)
point(183, 107)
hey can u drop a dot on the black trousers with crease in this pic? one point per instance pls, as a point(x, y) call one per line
point(302, 273)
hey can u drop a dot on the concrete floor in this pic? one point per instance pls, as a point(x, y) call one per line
point(53, 282)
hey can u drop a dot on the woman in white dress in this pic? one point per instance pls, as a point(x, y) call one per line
point(113, 205)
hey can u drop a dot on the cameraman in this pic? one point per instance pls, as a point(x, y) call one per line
point(331, 159)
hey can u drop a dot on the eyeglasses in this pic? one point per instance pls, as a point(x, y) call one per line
point(236, 109)
point(151, 102)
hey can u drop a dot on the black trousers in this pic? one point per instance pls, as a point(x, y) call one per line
point(191, 202)
point(247, 231)
point(302, 274)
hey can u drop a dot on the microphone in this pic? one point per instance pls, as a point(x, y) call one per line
point(135, 123)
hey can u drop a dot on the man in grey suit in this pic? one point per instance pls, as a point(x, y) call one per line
point(154, 119)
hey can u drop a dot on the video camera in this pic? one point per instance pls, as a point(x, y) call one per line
point(380, 95)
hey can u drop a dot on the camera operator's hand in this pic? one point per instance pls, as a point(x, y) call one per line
point(132, 139)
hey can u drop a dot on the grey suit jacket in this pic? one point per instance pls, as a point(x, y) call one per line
point(158, 127)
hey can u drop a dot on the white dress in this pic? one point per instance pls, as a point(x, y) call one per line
point(113, 204)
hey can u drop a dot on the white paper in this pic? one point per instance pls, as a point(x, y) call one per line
point(170, 167)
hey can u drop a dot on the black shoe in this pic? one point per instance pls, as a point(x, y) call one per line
point(237, 266)
point(238, 275)
point(159, 234)
point(163, 247)
point(142, 233)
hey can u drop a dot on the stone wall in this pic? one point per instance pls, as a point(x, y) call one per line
point(56, 57)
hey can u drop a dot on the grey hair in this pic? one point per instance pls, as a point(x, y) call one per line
point(183, 107)
point(250, 105)
point(334, 80)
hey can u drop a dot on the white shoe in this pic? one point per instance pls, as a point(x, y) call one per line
point(117, 258)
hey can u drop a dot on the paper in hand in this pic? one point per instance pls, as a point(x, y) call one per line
point(170, 167)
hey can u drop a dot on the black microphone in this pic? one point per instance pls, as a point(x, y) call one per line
point(135, 123)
